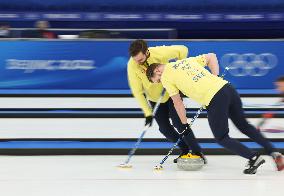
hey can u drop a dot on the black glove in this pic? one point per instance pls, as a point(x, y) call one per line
point(185, 130)
point(149, 120)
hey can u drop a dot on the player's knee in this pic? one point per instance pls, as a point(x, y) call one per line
point(245, 127)
point(221, 138)
point(169, 135)
point(165, 125)
point(167, 131)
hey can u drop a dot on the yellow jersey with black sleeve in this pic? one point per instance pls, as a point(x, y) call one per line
point(191, 78)
point(138, 81)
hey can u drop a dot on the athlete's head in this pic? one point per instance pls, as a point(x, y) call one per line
point(279, 83)
point(138, 50)
point(154, 72)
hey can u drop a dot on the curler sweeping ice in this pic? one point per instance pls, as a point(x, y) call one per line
point(160, 166)
point(222, 102)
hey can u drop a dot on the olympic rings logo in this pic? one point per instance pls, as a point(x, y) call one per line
point(249, 64)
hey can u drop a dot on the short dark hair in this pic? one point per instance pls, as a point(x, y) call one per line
point(280, 79)
point(137, 46)
point(150, 70)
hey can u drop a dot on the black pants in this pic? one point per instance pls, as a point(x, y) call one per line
point(227, 104)
point(165, 111)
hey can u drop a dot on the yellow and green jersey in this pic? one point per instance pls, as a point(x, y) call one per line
point(191, 78)
point(138, 81)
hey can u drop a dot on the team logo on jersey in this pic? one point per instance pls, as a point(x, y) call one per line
point(249, 64)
